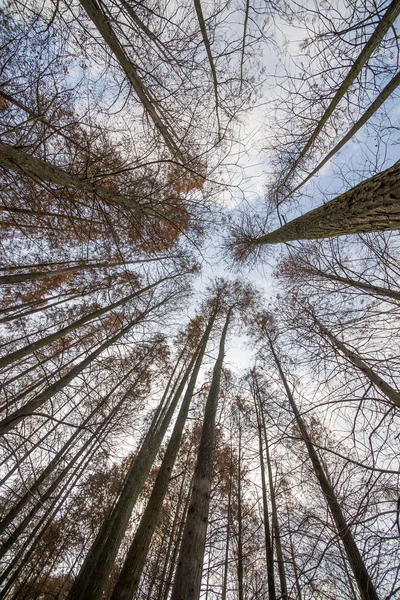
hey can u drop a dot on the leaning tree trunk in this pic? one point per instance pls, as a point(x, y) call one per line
point(374, 378)
point(384, 24)
point(190, 563)
point(372, 205)
point(128, 580)
point(30, 407)
point(82, 266)
point(360, 572)
point(53, 337)
point(13, 159)
point(93, 576)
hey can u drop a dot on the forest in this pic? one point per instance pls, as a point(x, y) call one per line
point(200, 289)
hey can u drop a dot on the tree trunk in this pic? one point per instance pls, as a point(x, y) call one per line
point(275, 521)
point(372, 205)
point(190, 564)
point(151, 106)
point(374, 290)
point(83, 266)
point(364, 582)
point(128, 581)
point(93, 576)
point(39, 170)
point(30, 407)
point(53, 337)
point(33, 490)
point(374, 378)
point(240, 520)
point(269, 550)
point(228, 531)
point(371, 110)
point(385, 23)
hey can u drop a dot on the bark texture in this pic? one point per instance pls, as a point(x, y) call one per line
point(372, 205)
point(190, 563)
point(128, 581)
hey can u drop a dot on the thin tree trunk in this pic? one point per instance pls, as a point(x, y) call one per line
point(371, 110)
point(374, 378)
point(93, 576)
point(53, 337)
point(190, 564)
point(293, 555)
point(385, 23)
point(128, 581)
point(374, 290)
point(269, 550)
point(364, 582)
point(228, 532)
point(83, 266)
point(30, 407)
point(240, 520)
point(372, 205)
point(35, 487)
point(275, 521)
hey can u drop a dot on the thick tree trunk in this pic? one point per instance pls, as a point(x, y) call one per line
point(96, 569)
point(16, 160)
point(374, 378)
point(372, 205)
point(128, 581)
point(190, 564)
point(364, 582)
point(385, 23)
point(53, 337)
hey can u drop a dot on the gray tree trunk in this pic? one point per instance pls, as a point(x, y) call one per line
point(372, 205)
point(360, 572)
point(190, 563)
point(128, 580)
point(93, 576)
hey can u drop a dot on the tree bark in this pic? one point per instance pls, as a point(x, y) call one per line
point(372, 205)
point(128, 581)
point(93, 576)
point(364, 582)
point(190, 563)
